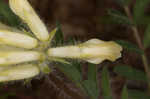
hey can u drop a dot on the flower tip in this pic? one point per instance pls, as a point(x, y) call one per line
point(98, 51)
point(24, 10)
point(94, 51)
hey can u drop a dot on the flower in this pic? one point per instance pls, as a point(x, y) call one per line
point(93, 51)
point(17, 39)
point(17, 48)
point(24, 10)
point(15, 57)
point(9, 73)
point(23, 56)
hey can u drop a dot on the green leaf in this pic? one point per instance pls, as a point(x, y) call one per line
point(71, 41)
point(145, 20)
point(52, 34)
point(7, 15)
point(91, 85)
point(146, 40)
point(106, 88)
point(130, 47)
point(139, 9)
point(123, 2)
point(136, 94)
point(130, 73)
point(71, 70)
point(118, 17)
point(124, 93)
point(59, 38)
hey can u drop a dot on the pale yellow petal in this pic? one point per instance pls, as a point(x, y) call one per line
point(97, 52)
point(23, 9)
point(15, 57)
point(94, 60)
point(17, 39)
point(94, 41)
point(9, 73)
point(66, 52)
point(93, 51)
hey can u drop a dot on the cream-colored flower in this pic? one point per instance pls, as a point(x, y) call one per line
point(15, 57)
point(17, 39)
point(22, 56)
point(93, 51)
point(24, 10)
point(9, 73)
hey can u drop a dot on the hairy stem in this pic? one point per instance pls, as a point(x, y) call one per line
point(139, 42)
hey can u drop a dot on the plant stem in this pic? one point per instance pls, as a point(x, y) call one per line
point(139, 42)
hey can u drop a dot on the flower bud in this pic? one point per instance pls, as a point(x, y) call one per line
point(17, 39)
point(15, 57)
point(9, 73)
point(93, 51)
point(23, 9)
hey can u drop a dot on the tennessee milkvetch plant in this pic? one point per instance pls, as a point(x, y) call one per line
point(23, 56)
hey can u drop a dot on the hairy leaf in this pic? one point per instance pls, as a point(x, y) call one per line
point(106, 89)
point(59, 38)
point(118, 17)
point(146, 40)
point(7, 15)
point(136, 94)
point(130, 73)
point(71, 70)
point(145, 20)
point(129, 46)
point(139, 9)
point(91, 85)
point(123, 2)
point(124, 93)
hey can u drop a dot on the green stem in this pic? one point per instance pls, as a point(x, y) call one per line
point(139, 42)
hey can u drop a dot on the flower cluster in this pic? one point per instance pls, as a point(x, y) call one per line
point(22, 56)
